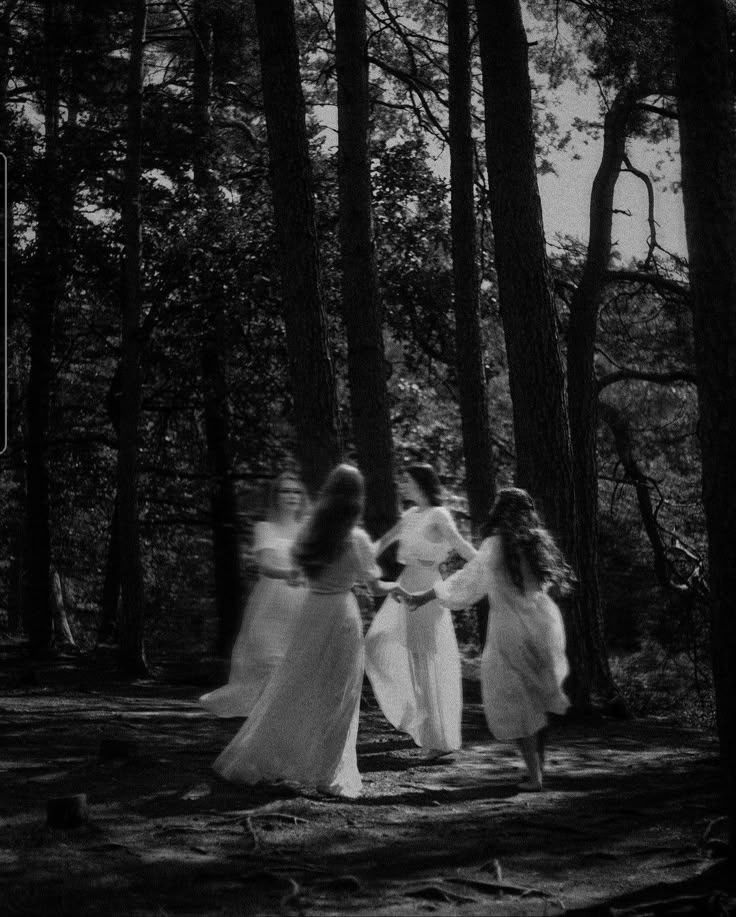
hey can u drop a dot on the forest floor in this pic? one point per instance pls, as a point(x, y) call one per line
point(627, 825)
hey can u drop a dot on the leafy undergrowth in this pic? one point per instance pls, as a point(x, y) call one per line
point(658, 681)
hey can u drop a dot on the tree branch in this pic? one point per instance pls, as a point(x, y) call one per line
point(190, 26)
point(660, 283)
point(657, 110)
point(621, 430)
point(650, 209)
point(676, 375)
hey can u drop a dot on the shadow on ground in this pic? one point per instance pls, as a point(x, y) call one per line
point(624, 822)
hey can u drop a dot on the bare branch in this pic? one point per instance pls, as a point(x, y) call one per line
point(621, 375)
point(650, 209)
point(416, 86)
point(657, 110)
point(618, 423)
point(190, 26)
point(660, 283)
point(238, 124)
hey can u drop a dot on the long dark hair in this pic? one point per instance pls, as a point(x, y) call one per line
point(338, 508)
point(514, 517)
point(425, 477)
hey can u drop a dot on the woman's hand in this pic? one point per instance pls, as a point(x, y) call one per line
point(407, 598)
point(295, 577)
point(382, 587)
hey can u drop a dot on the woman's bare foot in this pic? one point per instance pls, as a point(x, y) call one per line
point(530, 786)
point(433, 754)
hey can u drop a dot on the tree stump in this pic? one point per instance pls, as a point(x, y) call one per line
point(67, 811)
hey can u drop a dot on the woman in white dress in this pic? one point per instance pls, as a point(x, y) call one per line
point(273, 605)
point(524, 664)
point(304, 727)
point(413, 661)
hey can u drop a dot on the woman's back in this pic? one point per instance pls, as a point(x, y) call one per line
point(355, 562)
point(502, 575)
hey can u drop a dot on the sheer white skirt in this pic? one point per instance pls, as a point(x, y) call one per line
point(268, 625)
point(413, 663)
point(303, 728)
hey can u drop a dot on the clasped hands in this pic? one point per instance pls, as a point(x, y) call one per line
point(410, 599)
point(295, 577)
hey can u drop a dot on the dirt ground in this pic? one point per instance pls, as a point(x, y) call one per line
point(628, 825)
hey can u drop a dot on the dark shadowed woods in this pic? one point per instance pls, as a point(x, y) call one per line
point(245, 237)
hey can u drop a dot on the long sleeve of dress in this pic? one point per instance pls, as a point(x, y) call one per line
point(262, 538)
point(365, 550)
point(469, 585)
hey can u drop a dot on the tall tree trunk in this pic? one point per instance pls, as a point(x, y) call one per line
point(479, 467)
point(5, 43)
point(536, 376)
point(310, 365)
point(708, 154)
point(536, 379)
point(108, 624)
point(49, 288)
point(223, 503)
point(480, 473)
point(12, 417)
point(361, 310)
point(63, 635)
point(131, 645)
point(583, 390)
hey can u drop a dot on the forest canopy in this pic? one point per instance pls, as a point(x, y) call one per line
point(151, 203)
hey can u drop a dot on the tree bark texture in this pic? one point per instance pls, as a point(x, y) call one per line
point(5, 43)
point(223, 502)
point(361, 310)
point(583, 390)
point(479, 465)
point(310, 364)
point(131, 623)
point(480, 473)
point(541, 430)
point(49, 288)
point(14, 409)
point(109, 606)
point(708, 156)
point(108, 626)
point(536, 376)
point(62, 631)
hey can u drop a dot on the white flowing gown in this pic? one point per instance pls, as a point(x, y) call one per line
point(412, 658)
point(303, 728)
point(524, 664)
point(268, 623)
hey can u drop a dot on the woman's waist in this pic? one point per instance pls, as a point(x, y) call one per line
point(412, 560)
point(416, 576)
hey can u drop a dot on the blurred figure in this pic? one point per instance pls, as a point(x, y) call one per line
point(272, 608)
point(304, 727)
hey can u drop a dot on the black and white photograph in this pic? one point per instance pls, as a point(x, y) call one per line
point(368, 461)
